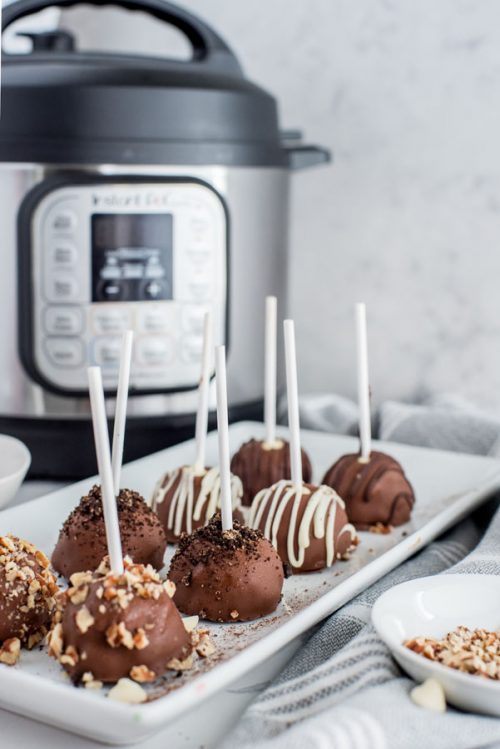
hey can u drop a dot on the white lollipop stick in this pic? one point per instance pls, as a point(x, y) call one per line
point(270, 370)
point(293, 403)
point(223, 434)
point(203, 388)
point(101, 439)
point(365, 428)
point(121, 409)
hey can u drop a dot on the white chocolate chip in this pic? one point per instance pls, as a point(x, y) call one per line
point(430, 695)
point(169, 587)
point(190, 623)
point(126, 690)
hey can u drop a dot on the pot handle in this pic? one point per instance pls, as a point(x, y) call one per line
point(302, 157)
point(206, 43)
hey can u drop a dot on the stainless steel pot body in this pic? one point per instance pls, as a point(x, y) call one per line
point(257, 206)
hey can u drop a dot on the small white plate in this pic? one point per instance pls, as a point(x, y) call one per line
point(432, 607)
point(15, 459)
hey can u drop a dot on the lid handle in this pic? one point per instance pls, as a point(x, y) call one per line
point(206, 43)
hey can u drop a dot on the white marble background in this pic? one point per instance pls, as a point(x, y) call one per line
point(407, 94)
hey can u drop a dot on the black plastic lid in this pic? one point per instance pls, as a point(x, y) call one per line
point(64, 106)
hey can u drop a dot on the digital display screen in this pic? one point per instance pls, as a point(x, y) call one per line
point(132, 257)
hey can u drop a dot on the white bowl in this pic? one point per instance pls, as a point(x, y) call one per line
point(432, 607)
point(15, 459)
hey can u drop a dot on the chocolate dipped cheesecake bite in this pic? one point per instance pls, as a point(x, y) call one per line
point(375, 489)
point(111, 626)
point(226, 576)
point(308, 524)
point(260, 464)
point(82, 540)
point(185, 499)
point(27, 597)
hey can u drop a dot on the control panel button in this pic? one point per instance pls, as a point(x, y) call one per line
point(154, 351)
point(110, 291)
point(201, 291)
point(153, 318)
point(64, 352)
point(108, 320)
point(191, 349)
point(64, 321)
point(193, 318)
point(63, 221)
point(63, 255)
point(107, 352)
point(155, 289)
point(62, 287)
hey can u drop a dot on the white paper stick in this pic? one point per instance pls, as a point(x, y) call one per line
point(101, 439)
point(270, 370)
point(365, 429)
point(223, 435)
point(293, 403)
point(203, 390)
point(121, 408)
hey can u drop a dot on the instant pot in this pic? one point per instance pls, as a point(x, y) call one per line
point(135, 192)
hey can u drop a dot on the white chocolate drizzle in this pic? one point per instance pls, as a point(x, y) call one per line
point(319, 516)
point(184, 506)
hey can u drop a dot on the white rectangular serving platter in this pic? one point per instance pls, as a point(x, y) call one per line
point(447, 485)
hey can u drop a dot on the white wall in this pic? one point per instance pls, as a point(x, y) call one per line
point(407, 94)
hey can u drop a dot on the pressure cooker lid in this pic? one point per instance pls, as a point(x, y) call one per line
point(61, 105)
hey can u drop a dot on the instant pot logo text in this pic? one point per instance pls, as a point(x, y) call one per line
point(139, 199)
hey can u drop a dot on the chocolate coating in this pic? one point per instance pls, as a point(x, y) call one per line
point(226, 576)
point(185, 500)
point(27, 590)
point(82, 540)
point(374, 492)
point(294, 536)
point(110, 626)
point(259, 466)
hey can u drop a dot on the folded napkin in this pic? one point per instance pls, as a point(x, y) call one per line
point(342, 690)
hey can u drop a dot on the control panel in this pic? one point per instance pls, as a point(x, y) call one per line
point(107, 257)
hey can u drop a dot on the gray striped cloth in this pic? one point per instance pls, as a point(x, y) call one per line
point(342, 690)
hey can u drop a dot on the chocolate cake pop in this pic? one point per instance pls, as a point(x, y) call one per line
point(260, 464)
point(27, 590)
point(109, 626)
point(234, 575)
point(308, 526)
point(82, 540)
point(375, 490)
point(185, 499)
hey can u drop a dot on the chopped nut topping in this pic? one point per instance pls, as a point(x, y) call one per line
point(142, 674)
point(55, 641)
point(10, 651)
point(380, 529)
point(80, 578)
point(35, 639)
point(84, 619)
point(205, 646)
point(140, 639)
point(78, 595)
point(234, 614)
point(118, 634)
point(70, 656)
point(176, 665)
point(471, 651)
